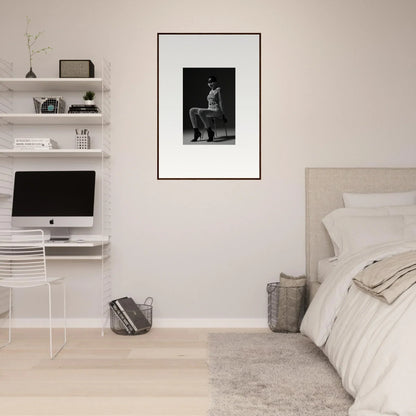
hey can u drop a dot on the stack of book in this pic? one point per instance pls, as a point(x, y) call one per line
point(34, 144)
point(82, 108)
point(130, 315)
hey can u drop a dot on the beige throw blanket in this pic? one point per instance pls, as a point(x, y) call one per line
point(388, 278)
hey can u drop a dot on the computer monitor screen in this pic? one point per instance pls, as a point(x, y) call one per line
point(53, 199)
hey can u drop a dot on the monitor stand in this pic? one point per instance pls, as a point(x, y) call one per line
point(60, 234)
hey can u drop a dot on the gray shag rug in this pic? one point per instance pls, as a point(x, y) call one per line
point(272, 374)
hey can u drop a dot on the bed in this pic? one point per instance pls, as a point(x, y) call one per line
point(369, 342)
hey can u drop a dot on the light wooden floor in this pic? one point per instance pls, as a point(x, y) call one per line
point(162, 373)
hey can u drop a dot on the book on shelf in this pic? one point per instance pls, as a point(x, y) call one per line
point(34, 144)
point(26, 140)
point(133, 314)
point(33, 147)
point(82, 108)
point(121, 317)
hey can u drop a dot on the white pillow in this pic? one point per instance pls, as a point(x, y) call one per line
point(355, 233)
point(390, 199)
point(332, 221)
point(410, 227)
point(325, 267)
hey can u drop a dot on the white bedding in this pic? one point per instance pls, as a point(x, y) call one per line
point(371, 344)
point(325, 267)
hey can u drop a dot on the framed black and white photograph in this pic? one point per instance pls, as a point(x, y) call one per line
point(209, 106)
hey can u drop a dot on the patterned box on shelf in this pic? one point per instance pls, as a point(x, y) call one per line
point(82, 141)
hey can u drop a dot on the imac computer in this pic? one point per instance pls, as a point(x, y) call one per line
point(54, 199)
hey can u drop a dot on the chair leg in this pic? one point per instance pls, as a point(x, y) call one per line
point(9, 319)
point(215, 128)
point(51, 353)
point(10, 314)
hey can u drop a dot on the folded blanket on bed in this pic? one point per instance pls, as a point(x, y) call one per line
point(389, 278)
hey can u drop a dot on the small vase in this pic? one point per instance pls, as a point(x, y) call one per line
point(89, 102)
point(30, 74)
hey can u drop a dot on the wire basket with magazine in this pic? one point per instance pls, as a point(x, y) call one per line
point(130, 318)
point(286, 303)
point(49, 105)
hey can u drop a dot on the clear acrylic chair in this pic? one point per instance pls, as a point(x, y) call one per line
point(23, 265)
point(215, 121)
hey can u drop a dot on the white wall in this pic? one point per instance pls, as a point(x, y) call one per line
point(338, 89)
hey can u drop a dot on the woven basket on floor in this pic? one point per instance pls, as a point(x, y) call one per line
point(286, 303)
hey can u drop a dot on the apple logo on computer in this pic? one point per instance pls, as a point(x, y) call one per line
point(51, 222)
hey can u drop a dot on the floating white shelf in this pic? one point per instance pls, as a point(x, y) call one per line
point(53, 84)
point(71, 244)
point(72, 258)
point(67, 244)
point(52, 119)
point(95, 153)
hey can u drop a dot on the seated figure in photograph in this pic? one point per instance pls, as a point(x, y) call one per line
point(214, 110)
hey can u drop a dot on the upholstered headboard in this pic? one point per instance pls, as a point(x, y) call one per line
point(324, 188)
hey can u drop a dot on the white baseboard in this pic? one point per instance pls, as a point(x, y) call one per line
point(210, 323)
point(44, 323)
point(157, 323)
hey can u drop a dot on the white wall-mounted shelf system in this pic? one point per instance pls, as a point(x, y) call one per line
point(91, 248)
